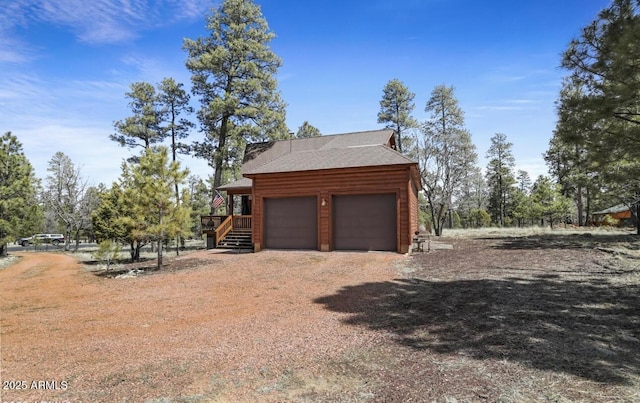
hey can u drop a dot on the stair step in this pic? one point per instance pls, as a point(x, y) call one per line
point(238, 239)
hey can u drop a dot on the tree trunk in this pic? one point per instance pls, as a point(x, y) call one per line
point(177, 205)
point(67, 238)
point(77, 237)
point(434, 221)
point(137, 255)
point(440, 219)
point(635, 214)
point(587, 220)
point(398, 131)
point(580, 206)
point(135, 251)
point(159, 255)
point(160, 239)
point(219, 157)
point(3, 250)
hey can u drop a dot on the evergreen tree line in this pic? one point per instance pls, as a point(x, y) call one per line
point(139, 208)
point(593, 156)
point(456, 193)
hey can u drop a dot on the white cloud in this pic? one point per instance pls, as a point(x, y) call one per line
point(26, 99)
point(23, 94)
point(189, 9)
point(96, 21)
point(12, 50)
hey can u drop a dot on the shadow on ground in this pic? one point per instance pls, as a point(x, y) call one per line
point(568, 241)
point(586, 328)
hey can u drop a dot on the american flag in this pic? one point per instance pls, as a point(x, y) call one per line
point(217, 201)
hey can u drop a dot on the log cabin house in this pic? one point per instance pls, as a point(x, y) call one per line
point(350, 191)
point(620, 214)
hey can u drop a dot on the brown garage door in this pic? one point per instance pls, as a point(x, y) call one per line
point(364, 222)
point(291, 223)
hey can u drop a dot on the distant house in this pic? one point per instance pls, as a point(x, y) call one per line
point(622, 213)
point(350, 191)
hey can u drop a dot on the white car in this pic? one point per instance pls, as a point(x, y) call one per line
point(54, 239)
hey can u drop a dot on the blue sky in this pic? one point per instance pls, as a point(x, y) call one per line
point(66, 66)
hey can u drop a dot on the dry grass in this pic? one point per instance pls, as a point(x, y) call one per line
point(503, 316)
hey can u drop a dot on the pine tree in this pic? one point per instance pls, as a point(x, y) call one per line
point(500, 178)
point(601, 114)
point(65, 195)
point(200, 202)
point(396, 107)
point(471, 200)
point(114, 218)
point(158, 213)
point(143, 129)
point(307, 130)
point(233, 75)
point(173, 101)
point(20, 213)
point(548, 201)
point(446, 154)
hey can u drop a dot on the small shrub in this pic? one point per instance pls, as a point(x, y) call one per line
point(107, 252)
point(610, 221)
point(480, 218)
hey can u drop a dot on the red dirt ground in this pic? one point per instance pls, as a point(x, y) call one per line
point(538, 318)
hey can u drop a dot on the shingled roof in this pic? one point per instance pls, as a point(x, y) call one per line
point(259, 154)
point(349, 150)
point(350, 157)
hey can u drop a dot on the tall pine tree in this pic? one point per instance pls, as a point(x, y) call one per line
point(396, 107)
point(143, 129)
point(20, 213)
point(446, 154)
point(233, 75)
point(500, 177)
point(602, 117)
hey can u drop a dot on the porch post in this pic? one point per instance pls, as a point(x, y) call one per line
point(230, 206)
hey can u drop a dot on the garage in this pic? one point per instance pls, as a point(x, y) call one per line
point(291, 223)
point(365, 222)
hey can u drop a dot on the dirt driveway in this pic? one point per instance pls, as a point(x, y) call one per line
point(534, 318)
point(232, 327)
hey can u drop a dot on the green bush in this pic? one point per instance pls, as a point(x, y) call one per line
point(610, 221)
point(108, 251)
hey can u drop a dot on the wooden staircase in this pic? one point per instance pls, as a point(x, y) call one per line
point(237, 239)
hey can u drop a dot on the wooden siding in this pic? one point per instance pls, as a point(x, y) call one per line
point(324, 184)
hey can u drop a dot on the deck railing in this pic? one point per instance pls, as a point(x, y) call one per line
point(223, 229)
point(209, 223)
point(242, 222)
